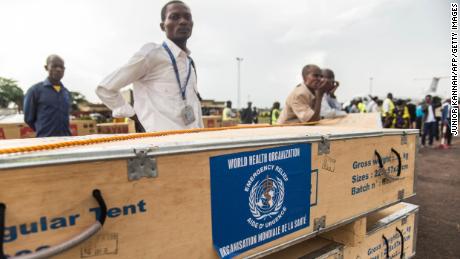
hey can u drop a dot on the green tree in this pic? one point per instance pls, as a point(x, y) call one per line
point(10, 93)
point(77, 98)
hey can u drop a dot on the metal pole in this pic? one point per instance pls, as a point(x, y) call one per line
point(370, 85)
point(239, 60)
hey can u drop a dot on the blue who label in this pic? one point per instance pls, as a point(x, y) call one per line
point(259, 196)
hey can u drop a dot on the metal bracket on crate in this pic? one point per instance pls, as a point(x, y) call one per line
point(404, 138)
point(319, 223)
point(404, 220)
point(324, 146)
point(401, 194)
point(142, 165)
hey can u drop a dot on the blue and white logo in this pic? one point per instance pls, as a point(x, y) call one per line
point(259, 196)
point(266, 198)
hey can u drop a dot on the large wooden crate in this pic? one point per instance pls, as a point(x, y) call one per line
point(116, 127)
point(173, 210)
point(315, 248)
point(392, 230)
point(15, 130)
point(83, 127)
point(363, 238)
point(362, 120)
point(212, 121)
point(22, 130)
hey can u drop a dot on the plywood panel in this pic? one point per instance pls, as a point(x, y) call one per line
point(170, 216)
point(364, 237)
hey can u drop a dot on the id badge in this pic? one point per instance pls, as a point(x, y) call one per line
point(187, 115)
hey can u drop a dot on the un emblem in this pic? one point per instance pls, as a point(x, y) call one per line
point(266, 198)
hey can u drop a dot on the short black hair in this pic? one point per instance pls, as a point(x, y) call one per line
point(307, 69)
point(51, 57)
point(328, 72)
point(163, 10)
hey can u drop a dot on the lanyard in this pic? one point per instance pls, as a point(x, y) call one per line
point(176, 70)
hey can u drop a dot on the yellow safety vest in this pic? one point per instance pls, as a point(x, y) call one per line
point(361, 107)
point(391, 111)
point(225, 114)
point(406, 114)
point(275, 116)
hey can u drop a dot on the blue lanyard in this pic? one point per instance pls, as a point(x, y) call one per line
point(176, 70)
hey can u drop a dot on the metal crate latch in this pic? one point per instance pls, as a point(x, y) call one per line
point(404, 138)
point(404, 220)
point(401, 194)
point(324, 146)
point(142, 165)
point(319, 223)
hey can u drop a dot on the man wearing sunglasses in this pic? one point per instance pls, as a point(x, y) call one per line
point(304, 102)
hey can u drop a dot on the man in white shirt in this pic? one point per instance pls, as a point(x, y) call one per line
point(372, 105)
point(163, 77)
point(429, 126)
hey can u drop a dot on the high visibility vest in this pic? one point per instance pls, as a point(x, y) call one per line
point(406, 114)
point(226, 114)
point(391, 108)
point(361, 107)
point(275, 116)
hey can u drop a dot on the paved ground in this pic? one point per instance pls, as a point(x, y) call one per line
point(438, 194)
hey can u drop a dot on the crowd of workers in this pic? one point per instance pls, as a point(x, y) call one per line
point(430, 116)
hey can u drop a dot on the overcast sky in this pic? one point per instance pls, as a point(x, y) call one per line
point(393, 41)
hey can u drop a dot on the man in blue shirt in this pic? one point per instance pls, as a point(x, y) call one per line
point(47, 104)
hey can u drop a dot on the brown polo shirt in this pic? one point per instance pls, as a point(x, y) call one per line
point(299, 106)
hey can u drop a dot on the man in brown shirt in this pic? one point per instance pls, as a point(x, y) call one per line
point(304, 103)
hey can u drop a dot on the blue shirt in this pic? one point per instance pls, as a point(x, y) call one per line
point(46, 111)
point(419, 111)
point(446, 112)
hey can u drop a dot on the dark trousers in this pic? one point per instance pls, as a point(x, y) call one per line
point(418, 124)
point(448, 135)
point(429, 128)
point(436, 128)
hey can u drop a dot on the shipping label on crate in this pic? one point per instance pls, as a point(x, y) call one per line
point(259, 196)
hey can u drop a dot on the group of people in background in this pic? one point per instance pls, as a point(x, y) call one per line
point(166, 95)
point(430, 116)
point(312, 99)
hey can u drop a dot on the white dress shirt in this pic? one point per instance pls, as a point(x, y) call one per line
point(158, 101)
point(330, 107)
point(372, 106)
point(430, 116)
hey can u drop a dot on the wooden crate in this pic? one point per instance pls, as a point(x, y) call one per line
point(365, 238)
point(171, 214)
point(212, 121)
point(116, 128)
point(15, 130)
point(362, 120)
point(83, 127)
point(22, 130)
point(315, 248)
point(230, 123)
